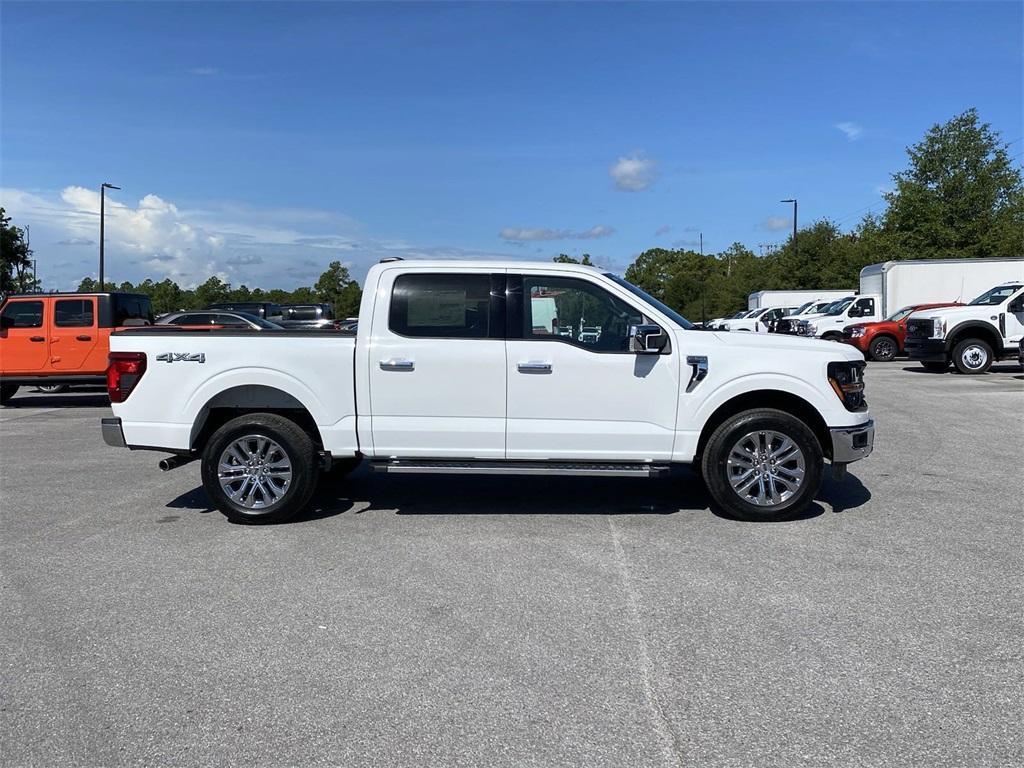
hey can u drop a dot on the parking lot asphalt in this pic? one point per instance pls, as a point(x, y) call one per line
point(414, 621)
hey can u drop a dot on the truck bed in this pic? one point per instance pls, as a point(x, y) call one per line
point(221, 368)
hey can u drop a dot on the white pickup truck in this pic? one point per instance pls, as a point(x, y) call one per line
point(461, 367)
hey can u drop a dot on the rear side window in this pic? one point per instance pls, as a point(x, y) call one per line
point(73, 313)
point(441, 306)
point(22, 314)
point(132, 310)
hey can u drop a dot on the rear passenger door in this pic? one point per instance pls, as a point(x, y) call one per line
point(74, 333)
point(23, 336)
point(436, 364)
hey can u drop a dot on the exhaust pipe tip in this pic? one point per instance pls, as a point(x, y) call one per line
point(173, 462)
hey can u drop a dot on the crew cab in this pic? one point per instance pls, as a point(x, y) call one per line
point(462, 367)
point(885, 339)
point(971, 337)
point(50, 340)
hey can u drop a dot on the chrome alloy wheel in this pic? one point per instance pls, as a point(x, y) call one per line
point(974, 357)
point(765, 468)
point(885, 349)
point(254, 472)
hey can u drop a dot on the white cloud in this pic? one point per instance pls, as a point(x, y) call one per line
point(777, 223)
point(852, 131)
point(522, 234)
point(663, 230)
point(634, 172)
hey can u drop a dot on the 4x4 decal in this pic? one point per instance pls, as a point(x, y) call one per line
point(187, 357)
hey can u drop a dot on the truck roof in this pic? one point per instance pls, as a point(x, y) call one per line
point(493, 264)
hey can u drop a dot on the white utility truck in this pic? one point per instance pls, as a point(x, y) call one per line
point(760, 299)
point(450, 372)
point(888, 287)
point(971, 337)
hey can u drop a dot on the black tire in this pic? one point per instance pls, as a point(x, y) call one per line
point(883, 348)
point(298, 449)
point(972, 356)
point(7, 391)
point(717, 471)
point(935, 366)
point(52, 389)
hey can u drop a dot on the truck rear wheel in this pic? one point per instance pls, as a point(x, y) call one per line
point(763, 465)
point(260, 468)
point(972, 356)
point(7, 391)
point(882, 348)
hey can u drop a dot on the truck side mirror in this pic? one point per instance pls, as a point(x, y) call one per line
point(647, 339)
point(1017, 305)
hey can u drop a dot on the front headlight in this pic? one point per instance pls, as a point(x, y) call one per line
point(938, 327)
point(847, 381)
point(857, 332)
point(810, 329)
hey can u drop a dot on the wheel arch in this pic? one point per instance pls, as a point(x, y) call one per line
point(250, 398)
point(975, 330)
point(886, 335)
point(768, 398)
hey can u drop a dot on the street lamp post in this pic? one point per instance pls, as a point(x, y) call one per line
point(793, 201)
point(103, 195)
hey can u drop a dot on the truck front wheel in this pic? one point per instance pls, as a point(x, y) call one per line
point(972, 356)
point(260, 468)
point(882, 348)
point(7, 391)
point(763, 465)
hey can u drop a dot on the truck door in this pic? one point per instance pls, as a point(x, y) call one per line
point(575, 391)
point(436, 362)
point(74, 333)
point(23, 335)
point(1014, 320)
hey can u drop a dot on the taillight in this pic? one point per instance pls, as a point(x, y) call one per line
point(124, 370)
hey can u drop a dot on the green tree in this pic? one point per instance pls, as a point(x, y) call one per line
point(961, 196)
point(564, 258)
point(336, 287)
point(15, 258)
point(213, 291)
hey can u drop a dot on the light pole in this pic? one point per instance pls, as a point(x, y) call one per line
point(793, 201)
point(103, 195)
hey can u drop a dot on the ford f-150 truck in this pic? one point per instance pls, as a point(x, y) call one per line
point(465, 367)
point(971, 337)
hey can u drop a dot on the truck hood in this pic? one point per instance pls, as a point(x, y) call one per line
point(789, 344)
point(956, 313)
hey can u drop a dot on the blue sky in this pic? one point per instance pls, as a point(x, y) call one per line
point(262, 141)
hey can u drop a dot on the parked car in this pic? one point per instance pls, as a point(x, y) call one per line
point(885, 339)
point(450, 372)
point(205, 317)
point(263, 309)
point(787, 323)
point(51, 341)
point(758, 321)
point(970, 337)
point(719, 322)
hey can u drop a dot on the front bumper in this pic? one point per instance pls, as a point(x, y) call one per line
point(112, 433)
point(860, 342)
point(925, 349)
point(852, 443)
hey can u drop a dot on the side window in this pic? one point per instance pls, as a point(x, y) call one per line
point(865, 307)
point(576, 312)
point(73, 313)
point(22, 314)
point(441, 306)
point(228, 321)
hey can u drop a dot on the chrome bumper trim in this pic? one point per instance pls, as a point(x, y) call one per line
point(852, 443)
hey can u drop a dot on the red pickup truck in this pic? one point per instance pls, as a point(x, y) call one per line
point(883, 340)
point(48, 340)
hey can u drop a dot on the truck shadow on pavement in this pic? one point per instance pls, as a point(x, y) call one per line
point(86, 397)
point(362, 492)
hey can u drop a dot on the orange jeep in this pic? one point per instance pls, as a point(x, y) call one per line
point(53, 340)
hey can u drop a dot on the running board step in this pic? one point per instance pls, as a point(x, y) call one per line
point(584, 468)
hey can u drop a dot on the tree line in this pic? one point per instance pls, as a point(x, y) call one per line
point(960, 196)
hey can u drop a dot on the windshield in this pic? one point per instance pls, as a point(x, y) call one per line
point(837, 307)
point(997, 295)
point(899, 315)
point(265, 324)
point(758, 312)
point(672, 314)
point(801, 308)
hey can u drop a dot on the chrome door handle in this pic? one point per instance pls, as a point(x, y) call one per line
point(397, 364)
point(534, 367)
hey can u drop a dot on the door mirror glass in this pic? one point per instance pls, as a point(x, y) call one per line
point(647, 339)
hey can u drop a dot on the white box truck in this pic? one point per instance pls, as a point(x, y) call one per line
point(888, 287)
point(760, 299)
